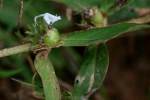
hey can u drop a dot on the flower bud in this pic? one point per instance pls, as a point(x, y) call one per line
point(98, 19)
point(52, 37)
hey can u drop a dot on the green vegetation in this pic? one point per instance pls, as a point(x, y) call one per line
point(87, 23)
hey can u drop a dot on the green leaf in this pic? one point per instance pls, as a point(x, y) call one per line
point(79, 5)
point(95, 66)
point(9, 73)
point(111, 6)
point(140, 3)
point(48, 77)
point(123, 14)
point(85, 78)
point(8, 14)
point(102, 62)
point(96, 35)
point(107, 4)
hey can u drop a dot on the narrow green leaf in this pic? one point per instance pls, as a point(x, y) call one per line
point(102, 62)
point(106, 5)
point(79, 5)
point(111, 6)
point(9, 73)
point(48, 77)
point(96, 35)
point(85, 79)
point(123, 14)
point(140, 4)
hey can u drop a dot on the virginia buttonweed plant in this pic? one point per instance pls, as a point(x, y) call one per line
point(95, 19)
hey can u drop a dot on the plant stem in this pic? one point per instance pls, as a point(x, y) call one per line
point(1, 3)
point(15, 50)
point(46, 71)
point(140, 20)
point(20, 13)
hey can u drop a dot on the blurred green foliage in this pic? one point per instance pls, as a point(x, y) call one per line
point(65, 59)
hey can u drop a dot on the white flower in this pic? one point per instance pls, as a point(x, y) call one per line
point(49, 18)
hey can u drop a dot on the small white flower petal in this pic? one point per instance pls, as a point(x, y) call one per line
point(49, 18)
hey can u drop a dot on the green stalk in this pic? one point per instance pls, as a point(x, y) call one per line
point(46, 71)
point(15, 50)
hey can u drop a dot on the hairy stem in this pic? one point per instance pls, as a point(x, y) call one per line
point(15, 50)
point(46, 71)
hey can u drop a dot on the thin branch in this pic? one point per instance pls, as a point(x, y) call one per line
point(30, 61)
point(140, 20)
point(142, 11)
point(15, 50)
point(20, 13)
point(1, 3)
point(65, 85)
